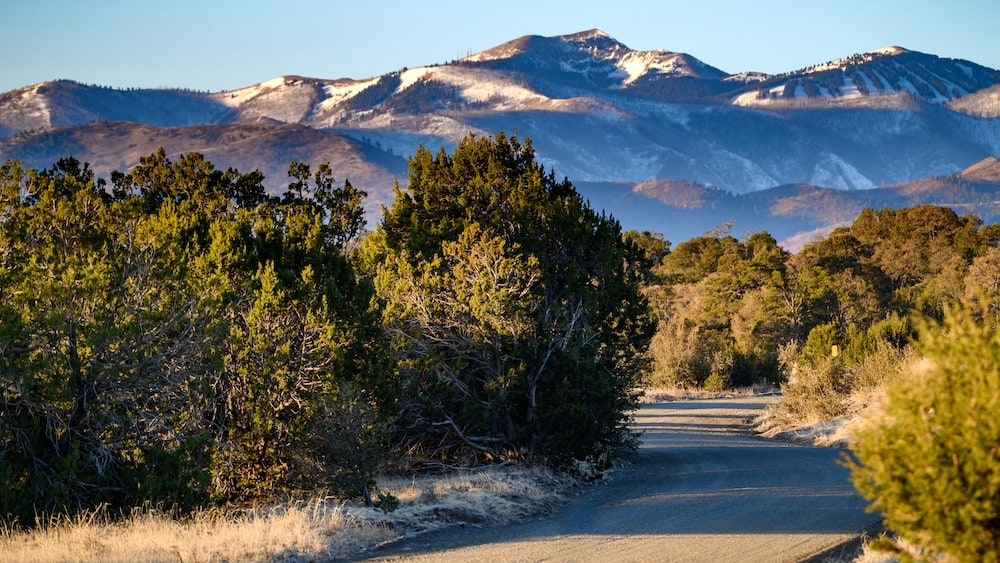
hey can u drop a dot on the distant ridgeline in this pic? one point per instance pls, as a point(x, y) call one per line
point(629, 127)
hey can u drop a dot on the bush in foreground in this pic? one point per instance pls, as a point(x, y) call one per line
point(930, 463)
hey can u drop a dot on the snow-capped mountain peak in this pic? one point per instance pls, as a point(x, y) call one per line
point(597, 43)
point(589, 35)
point(594, 43)
point(636, 64)
point(891, 50)
point(596, 110)
point(592, 58)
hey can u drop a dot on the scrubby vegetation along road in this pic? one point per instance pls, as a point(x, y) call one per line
point(700, 490)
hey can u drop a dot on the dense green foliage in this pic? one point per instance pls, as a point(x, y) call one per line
point(518, 323)
point(930, 463)
point(739, 311)
point(181, 338)
point(721, 321)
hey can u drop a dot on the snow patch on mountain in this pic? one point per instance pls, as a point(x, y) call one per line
point(640, 63)
point(588, 35)
point(24, 110)
point(891, 71)
point(443, 127)
point(411, 76)
point(597, 43)
point(503, 92)
point(752, 177)
point(831, 170)
point(342, 90)
point(238, 97)
point(984, 103)
point(748, 76)
point(890, 50)
point(758, 97)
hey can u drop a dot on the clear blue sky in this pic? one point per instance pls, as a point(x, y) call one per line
point(224, 44)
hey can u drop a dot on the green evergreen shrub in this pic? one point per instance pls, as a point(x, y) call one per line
point(518, 323)
point(930, 463)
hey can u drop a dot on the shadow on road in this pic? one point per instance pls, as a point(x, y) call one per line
point(697, 473)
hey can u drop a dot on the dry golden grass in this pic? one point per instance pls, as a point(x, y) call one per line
point(321, 529)
point(893, 549)
point(481, 497)
point(668, 394)
point(811, 413)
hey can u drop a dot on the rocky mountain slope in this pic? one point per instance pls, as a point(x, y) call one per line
point(606, 116)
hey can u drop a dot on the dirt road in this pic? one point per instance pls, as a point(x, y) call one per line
point(699, 490)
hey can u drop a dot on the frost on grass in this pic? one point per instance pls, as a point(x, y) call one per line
point(483, 497)
point(319, 529)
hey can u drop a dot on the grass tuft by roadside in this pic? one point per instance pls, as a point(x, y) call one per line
point(822, 405)
point(316, 529)
point(669, 394)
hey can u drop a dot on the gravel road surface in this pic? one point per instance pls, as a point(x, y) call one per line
point(699, 489)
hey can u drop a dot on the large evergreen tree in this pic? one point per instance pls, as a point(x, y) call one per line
point(519, 324)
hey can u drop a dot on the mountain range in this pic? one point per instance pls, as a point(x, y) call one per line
point(662, 140)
